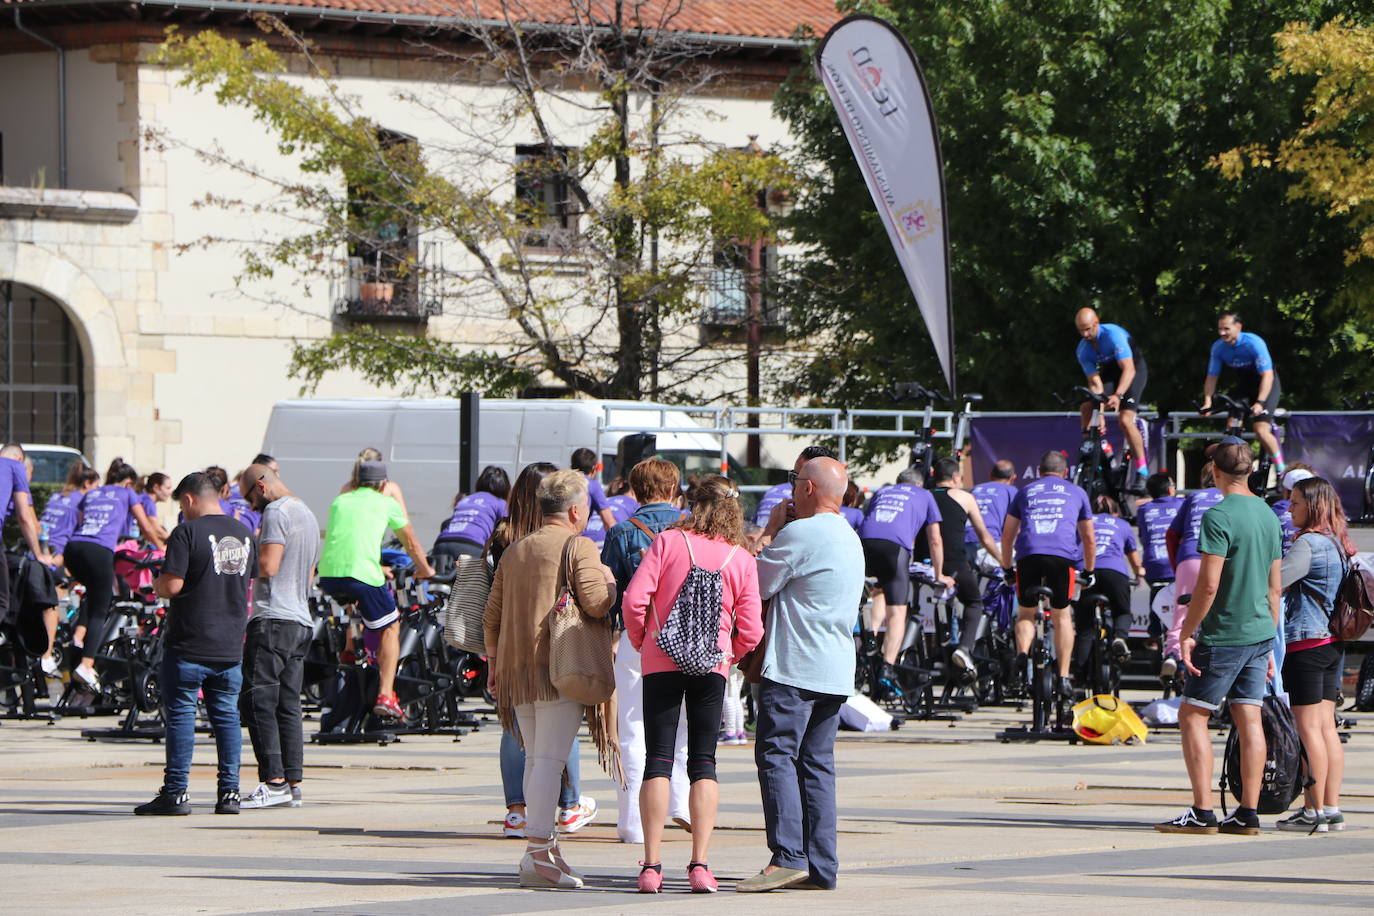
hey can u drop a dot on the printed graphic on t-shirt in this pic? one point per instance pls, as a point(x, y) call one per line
point(231, 555)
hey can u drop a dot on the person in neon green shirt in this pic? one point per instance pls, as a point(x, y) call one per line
point(351, 569)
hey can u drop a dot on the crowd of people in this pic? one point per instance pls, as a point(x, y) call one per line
point(697, 598)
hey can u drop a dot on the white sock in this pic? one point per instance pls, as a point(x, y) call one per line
point(1328, 811)
point(1308, 811)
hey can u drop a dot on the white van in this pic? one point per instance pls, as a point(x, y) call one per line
point(317, 441)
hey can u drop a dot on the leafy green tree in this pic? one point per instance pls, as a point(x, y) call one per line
point(606, 301)
point(1077, 136)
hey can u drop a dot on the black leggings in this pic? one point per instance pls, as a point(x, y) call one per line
point(664, 692)
point(1116, 588)
point(966, 590)
point(93, 566)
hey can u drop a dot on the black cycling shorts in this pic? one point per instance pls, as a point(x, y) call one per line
point(890, 564)
point(1248, 391)
point(1055, 573)
point(1111, 375)
point(1313, 675)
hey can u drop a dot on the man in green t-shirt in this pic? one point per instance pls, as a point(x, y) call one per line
point(351, 569)
point(1227, 638)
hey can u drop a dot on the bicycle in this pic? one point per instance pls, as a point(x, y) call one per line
point(1050, 707)
point(1099, 471)
point(1237, 413)
point(922, 444)
point(1102, 668)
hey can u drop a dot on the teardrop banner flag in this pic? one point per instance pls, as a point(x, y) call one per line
point(878, 90)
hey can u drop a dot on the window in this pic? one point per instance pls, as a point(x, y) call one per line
point(727, 287)
point(544, 200)
point(386, 279)
point(40, 370)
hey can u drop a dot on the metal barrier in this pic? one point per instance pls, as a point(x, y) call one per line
point(843, 425)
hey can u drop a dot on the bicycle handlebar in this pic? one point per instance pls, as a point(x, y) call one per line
point(1078, 394)
point(915, 391)
point(1224, 403)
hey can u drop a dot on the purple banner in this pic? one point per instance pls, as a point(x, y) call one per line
point(1337, 447)
point(1022, 440)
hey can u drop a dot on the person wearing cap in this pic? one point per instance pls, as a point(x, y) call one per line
point(1297, 472)
point(209, 564)
point(1226, 642)
point(351, 569)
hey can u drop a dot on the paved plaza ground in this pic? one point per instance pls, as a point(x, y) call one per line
point(932, 816)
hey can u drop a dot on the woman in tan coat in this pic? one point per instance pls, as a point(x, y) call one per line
point(517, 637)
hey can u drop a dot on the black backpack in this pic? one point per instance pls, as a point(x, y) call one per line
point(1285, 765)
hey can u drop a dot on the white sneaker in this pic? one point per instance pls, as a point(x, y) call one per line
point(266, 796)
point(87, 678)
point(514, 826)
point(964, 660)
point(1168, 669)
point(571, 820)
point(50, 666)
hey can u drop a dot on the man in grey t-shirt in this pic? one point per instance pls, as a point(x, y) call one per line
point(278, 636)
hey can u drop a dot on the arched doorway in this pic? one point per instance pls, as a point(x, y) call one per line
point(41, 370)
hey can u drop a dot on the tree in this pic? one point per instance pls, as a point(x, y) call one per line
point(1329, 153)
point(590, 247)
point(1076, 138)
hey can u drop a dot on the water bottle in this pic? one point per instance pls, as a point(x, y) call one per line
point(44, 529)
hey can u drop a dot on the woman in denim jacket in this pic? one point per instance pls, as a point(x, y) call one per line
point(1312, 572)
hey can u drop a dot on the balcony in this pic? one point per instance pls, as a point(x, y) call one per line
point(373, 294)
point(725, 310)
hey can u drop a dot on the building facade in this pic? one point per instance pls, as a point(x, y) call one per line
point(125, 334)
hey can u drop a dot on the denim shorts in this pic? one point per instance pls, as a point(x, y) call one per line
point(1234, 674)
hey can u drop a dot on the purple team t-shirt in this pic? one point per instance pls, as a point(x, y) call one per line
point(854, 516)
point(622, 507)
point(1153, 519)
point(897, 513)
point(1049, 511)
point(474, 518)
point(771, 497)
point(13, 479)
point(1189, 521)
point(105, 513)
point(59, 518)
point(1284, 510)
point(993, 499)
point(1114, 539)
point(596, 495)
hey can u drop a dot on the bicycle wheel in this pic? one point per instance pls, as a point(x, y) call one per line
point(1042, 698)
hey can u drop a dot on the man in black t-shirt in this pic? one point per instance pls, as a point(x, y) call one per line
point(210, 561)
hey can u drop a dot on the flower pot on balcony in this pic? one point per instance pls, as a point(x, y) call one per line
point(377, 296)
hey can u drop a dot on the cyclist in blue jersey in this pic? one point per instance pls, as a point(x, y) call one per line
point(1108, 355)
point(993, 497)
point(1257, 381)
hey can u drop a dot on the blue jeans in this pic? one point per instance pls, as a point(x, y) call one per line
point(513, 773)
point(795, 752)
point(220, 682)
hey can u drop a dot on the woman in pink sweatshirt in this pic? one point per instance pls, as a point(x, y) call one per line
point(707, 552)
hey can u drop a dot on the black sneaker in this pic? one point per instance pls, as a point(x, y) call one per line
point(888, 683)
point(1237, 825)
point(1190, 821)
point(228, 802)
point(173, 804)
point(1121, 650)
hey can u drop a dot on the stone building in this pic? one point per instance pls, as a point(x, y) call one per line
point(120, 336)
